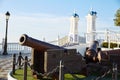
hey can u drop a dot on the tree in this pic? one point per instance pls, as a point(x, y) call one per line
point(117, 18)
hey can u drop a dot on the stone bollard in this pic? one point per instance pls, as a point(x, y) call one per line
point(19, 60)
point(25, 68)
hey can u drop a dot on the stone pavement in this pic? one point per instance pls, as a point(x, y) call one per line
point(5, 66)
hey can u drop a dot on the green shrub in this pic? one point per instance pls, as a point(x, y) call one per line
point(112, 45)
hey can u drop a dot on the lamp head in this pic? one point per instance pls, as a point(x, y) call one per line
point(7, 15)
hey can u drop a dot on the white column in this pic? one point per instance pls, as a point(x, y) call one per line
point(73, 34)
point(91, 26)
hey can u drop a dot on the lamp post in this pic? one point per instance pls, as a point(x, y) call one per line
point(5, 43)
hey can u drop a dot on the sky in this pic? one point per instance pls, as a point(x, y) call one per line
point(50, 18)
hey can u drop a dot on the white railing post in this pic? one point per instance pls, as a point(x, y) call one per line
point(61, 72)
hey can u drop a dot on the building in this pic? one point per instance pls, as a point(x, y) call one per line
point(73, 37)
point(91, 26)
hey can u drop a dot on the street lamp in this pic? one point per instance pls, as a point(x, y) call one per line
point(5, 43)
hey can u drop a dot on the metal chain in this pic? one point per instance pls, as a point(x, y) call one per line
point(18, 60)
point(74, 76)
point(54, 70)
point(102, 76)
point(46, 74)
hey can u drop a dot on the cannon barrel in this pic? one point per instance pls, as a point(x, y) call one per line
point(36, 44)
point(91, 52)
point(94, 46)
point(109, 55)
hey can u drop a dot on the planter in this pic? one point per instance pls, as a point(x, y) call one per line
point(9, 76)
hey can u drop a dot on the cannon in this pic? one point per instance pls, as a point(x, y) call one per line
point(36, 44)
point(112, 56)
point(92, 52)
point(38, 50)
point(105, 58)
point(46, 56)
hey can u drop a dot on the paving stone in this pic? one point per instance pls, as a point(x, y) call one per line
point(6, 65)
